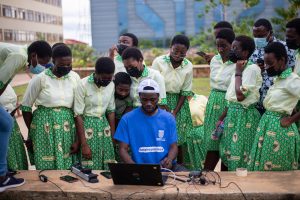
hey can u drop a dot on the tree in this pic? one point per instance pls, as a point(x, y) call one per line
point(226, 3)
point(285, 15)
point(83, 55)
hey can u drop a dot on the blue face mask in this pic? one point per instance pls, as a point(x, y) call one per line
point(37, 69)
point(260, 42)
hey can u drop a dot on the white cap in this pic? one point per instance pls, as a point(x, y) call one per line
point(148, 83)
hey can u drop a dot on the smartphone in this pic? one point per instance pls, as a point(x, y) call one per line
point(201, 53)
point(69, 179)
point(106, 174)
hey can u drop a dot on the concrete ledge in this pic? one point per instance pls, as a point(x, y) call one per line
point(257, 185)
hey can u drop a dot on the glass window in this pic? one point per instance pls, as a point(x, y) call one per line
point(6, 10)
point(1, 35)
point(8, 35)
point(14, 12)
point(21, 14)
point(30, 15)
point(38, 17)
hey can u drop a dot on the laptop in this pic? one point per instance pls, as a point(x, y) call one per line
point(137, 174)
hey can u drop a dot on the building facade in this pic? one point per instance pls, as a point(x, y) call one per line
point(24, 21)
point(162, 19)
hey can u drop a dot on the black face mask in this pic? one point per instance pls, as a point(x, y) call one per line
point(175, 61)
point(134, 72)
point(233, 56)
point(272, 72)
point(62, 71)
point(102, 83)
point(117, 96)
point(292, 44)
point(121, 48)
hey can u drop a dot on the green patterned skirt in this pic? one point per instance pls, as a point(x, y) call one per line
point(52, 132)
point(98, 137)
point(298, 110)
point(16, 156)
point(239, 132)
point(196, 148)
point(275, 148)
point(184, 122)
point(214, 109)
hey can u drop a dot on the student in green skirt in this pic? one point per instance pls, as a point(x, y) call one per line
point(178, 75)
point(138, 71)
point(94, 109)
point(16, 156)
point(195, 139)
point(221, 70)
point(293, 42)
point(277, 143)
point(51, 126)
point(242, 117)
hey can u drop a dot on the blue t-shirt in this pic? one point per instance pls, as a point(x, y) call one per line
point(149, 137)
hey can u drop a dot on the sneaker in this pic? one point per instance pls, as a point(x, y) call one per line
point(11, 182)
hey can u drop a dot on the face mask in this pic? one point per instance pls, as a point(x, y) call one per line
point(37, 69)
point(260, 42)
point(292, 44)
point(121, 97)
point(134, 72)
point(102, 83)
point(272, 72)
point(49, 65)
point(121, 48)
point(233, 56)
point(62, 71)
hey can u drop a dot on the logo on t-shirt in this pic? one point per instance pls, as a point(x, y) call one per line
point(161, 134)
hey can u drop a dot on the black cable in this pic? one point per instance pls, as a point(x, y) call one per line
point(236, 186)
point(65, 194)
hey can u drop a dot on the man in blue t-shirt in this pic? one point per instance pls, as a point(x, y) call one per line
point(149, 131)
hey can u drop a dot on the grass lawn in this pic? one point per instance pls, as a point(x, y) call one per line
point(201, 86)
point(20, 90)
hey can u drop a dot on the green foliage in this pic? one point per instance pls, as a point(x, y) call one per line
point(145, 44)
point(285, 15)
point(206, 39)
point(83, 55)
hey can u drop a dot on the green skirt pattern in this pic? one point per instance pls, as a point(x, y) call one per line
point(184, 122)
point(16, 156)
point(298, 110)
point(275, 148)
point(196, 148)
point(214, 109)
point(239, 132)
point(98, 136)
point(52, 132)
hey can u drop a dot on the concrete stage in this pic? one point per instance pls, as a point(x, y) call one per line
point(257, 185)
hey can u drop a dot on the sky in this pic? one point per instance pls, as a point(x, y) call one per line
point(76, 20)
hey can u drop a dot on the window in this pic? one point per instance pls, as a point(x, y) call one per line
point(6, 10)
point(38, 17)
point(8, 35)
point(1, 35)
point(21, 14)
point(30, 15)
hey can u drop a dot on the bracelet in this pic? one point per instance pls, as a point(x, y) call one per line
point(238, 74)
